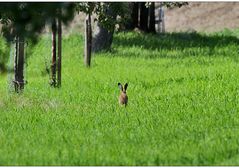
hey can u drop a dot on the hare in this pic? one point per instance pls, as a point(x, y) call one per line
point(123, 98)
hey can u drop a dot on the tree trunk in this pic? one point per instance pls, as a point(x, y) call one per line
point(143, 25)
point(59, 53)
point(15, 65)
point(53, 66)
point(135, 14)
point(134, 11)
point(90, 37)
point(88, 40)
point(19, 65)
point(152, 18)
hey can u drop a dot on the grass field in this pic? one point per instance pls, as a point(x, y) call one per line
point(183, 104)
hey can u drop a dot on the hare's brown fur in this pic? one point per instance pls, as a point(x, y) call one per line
point(123, 98)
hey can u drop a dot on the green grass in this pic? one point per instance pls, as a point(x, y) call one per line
point(183, 104)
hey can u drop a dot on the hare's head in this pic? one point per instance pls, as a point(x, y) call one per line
point(123, 88)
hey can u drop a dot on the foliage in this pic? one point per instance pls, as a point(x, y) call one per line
point(183, 104)
point(174, 4)
point(28, 19)
point(169, 4)
point(106, 12)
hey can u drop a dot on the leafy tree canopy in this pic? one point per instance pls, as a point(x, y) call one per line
point(28, 19)
point(106, 12)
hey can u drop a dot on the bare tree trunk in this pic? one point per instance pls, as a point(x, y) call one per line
point(59, 53)
point(88, 40)
point(19, 65)
point(135, 14)
point(53, 66)
point(90, 37)
point(143, 25)
point(15, 65)
point(152, 18)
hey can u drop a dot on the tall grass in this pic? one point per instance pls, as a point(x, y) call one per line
point(183, 104)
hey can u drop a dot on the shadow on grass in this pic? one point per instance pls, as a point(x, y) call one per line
point(185, 44)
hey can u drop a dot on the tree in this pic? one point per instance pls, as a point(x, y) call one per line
point(23, 21)
point(56, 53)
point(143, 22)
point(19, 64)
point(152, 18)
point(87, 8)
point(112, 13)
point(103, 36)
point(54, 62)
point(133, 20)
point(88, 40)
point(146, 11)
point(59, 53)
point(106, 15)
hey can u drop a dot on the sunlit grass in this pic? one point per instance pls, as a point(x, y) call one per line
point(183, 104)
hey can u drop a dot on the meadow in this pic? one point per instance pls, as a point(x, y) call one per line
point(183, 103)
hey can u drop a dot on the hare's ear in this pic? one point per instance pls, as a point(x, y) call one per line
point(120, 86)
point(125, 86)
